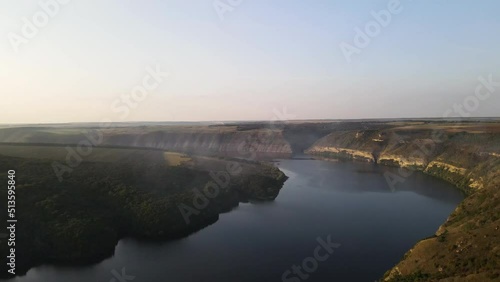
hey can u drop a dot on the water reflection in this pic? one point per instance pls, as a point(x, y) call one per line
point(370, 178)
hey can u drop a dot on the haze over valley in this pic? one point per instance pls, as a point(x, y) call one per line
point(224, 140)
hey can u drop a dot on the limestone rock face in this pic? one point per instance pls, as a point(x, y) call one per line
point(465, 247)
point(342, 153)
point(194, 140)
point(207, 142)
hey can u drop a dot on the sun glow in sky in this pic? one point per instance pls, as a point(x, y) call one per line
point(244, 60)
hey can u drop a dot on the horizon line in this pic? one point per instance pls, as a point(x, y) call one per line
point(256, 120)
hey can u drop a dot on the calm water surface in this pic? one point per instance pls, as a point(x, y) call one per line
point(350, 202)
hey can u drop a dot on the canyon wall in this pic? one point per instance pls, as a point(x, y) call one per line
point(467, 246)
point(193, 140)
point(467, 160)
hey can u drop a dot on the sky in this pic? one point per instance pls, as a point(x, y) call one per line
point(206, 60)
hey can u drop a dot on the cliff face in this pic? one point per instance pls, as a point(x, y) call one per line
point(467, 246)
point(278, 138)
point(465, 159)
point(342, 153)
point(356, 145)
point(224, 140)
point(231, 143)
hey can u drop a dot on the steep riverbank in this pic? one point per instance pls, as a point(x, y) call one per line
point(210, 140)
point(466, 246)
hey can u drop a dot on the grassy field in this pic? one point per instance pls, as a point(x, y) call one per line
point(491, 127)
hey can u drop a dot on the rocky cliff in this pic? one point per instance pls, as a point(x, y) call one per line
point(211, 140)
point(467, 246)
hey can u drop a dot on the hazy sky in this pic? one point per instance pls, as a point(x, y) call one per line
point(258, 59)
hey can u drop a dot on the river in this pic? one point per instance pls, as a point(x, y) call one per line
point(332, 221)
